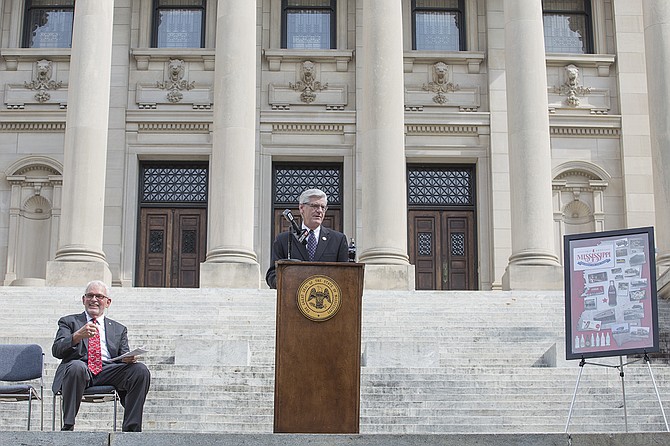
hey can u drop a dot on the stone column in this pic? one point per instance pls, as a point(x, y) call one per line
point(79, 257)
point(657, 49)
point(382, 148)
point(533, 263)
point(231, 260)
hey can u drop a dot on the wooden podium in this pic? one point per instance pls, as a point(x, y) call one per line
point(318, 347)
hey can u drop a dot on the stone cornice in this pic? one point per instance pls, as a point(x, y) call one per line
point(13, 56)
point(473, 59)
point(600, 125)
point(441, 129)
point(143, 56)
point(173, 127)
point(293, 128)
point(600, 61)
point(276, 57)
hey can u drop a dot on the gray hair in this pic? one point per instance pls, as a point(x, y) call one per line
point(309, 193)
point(98, 283)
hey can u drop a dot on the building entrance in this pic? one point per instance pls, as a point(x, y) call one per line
point(441, 227)
point(172, 235)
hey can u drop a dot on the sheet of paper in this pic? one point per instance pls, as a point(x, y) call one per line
point(136, 352)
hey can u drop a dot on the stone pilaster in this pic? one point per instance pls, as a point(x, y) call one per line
point(382, 149)
point(80, 257)
point(231, 261)
point(657, 50)
point(533, 263)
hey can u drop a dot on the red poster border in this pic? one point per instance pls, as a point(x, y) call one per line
point(610, 294)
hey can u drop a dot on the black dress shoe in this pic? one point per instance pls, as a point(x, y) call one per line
point(67, 427)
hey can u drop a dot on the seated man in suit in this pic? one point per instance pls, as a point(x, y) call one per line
point(86, 342)
point(326, 244)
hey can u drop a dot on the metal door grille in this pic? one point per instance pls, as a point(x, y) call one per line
point(173, 184)
point(291, 181)
point(440, 186)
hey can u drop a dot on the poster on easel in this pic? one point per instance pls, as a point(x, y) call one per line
point(610, 294)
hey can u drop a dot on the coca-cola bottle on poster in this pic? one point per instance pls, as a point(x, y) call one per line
point(611, 294)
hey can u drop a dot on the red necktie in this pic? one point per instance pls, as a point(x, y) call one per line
point(94, 353)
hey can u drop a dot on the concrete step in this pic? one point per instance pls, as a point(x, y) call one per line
point(494, 363)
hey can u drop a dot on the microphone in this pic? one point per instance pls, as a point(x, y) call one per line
point(300, 234)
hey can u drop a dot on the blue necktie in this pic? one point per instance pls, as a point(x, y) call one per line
point(311, 245)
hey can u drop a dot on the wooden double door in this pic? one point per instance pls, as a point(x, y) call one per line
point(172, 246)
point(442, 249)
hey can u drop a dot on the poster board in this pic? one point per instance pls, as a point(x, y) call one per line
point(610, 293)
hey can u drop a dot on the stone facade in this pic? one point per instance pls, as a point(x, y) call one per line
point(372, 104)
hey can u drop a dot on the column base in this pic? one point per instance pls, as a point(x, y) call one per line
point(532, 277)
point(79, 274)
point(230, 275)
point(389, 277)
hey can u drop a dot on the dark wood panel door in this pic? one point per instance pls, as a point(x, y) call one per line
point(442, 249)
point(172, 246)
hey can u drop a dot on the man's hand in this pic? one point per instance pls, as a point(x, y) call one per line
point(129, 359)
point(87, 331)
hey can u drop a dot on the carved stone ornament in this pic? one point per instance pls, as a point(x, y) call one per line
point(174, 91)
point(440, 84)
point(42, 81)
point(304, 92)
point(440, 91)
point(571, 88)
point(175, 82)
point(572, 96)
point(41, 92)
point(308, 84)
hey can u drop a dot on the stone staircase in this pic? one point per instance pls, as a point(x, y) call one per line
point(433, 362)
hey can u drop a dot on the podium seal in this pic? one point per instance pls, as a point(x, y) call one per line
point(319, 298)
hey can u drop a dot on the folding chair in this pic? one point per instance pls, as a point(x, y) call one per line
point(93, 394)
point(22, 362)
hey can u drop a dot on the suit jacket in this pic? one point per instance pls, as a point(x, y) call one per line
point(332, 247)
point(116, 335)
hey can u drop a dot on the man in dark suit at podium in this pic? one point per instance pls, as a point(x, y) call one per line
point(322, 244)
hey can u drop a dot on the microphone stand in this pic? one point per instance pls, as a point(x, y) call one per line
point(299, 233)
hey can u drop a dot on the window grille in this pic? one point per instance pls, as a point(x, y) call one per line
point(440, 186)
point(291, 181)
point(173, 184)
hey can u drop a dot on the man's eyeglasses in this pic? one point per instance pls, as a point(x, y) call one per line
point(317, 206)
point(91, 296)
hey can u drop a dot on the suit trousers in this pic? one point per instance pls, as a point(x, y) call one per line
point(131, 381)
